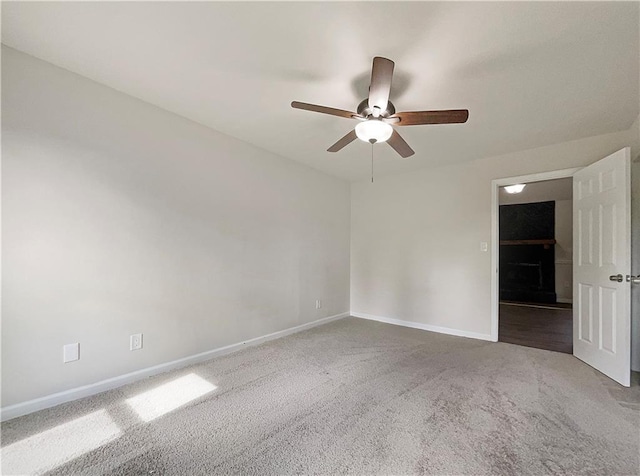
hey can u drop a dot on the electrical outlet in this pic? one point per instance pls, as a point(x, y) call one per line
point(484, 246)
point(71, 352)
point(318, 303)
point(135, 342)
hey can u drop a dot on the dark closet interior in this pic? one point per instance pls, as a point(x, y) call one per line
point(527, 252)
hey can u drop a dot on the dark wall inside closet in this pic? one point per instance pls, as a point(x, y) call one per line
point(527, 252)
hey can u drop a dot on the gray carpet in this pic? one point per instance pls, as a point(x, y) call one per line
point(353, 396)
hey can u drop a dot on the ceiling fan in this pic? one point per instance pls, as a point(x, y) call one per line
point(377, 114)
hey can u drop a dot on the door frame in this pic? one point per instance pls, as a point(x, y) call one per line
point(495, 231)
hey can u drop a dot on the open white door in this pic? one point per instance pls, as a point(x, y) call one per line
point(601, 261)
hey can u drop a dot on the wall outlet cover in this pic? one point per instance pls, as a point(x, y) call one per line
point(135, 342)
point(71, 352)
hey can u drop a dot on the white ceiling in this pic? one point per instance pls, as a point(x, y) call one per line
point(543, 191)
point(531, 74)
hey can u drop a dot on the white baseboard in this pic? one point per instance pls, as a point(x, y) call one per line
point(565, 300)
point(424, 327)
point(19, 409)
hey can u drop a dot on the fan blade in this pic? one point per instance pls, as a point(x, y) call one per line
point(346, 140)
point(399, 145)
point(381, 75)
point(324, 110)
point(414, 118)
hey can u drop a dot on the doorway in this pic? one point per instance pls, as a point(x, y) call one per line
point(532, 283)
point(535, 264)
point(602, 257)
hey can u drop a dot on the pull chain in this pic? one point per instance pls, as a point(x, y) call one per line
point(372, 162)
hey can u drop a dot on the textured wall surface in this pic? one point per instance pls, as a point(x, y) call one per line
point(122, 218)
point(415, 238)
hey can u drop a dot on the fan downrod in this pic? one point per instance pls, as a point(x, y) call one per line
point(365, 111)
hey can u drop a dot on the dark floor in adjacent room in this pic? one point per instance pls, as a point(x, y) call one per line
point(543, 326)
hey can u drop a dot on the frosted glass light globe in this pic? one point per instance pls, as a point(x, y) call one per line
point(374, 129)
point(517, 188)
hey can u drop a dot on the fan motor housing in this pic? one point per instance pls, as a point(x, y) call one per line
point(365, 111)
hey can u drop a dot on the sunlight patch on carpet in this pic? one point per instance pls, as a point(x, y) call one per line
point(51, 448)
point(169, 396)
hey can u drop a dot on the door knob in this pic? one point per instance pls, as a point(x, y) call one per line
point(633, 279)
point(616, 277)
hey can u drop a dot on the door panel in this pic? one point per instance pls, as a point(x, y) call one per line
point(585, 309)
point(602, 227)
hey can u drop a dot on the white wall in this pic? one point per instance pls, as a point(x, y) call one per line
point(564, 250)
point(415, 238)
point(120, 218)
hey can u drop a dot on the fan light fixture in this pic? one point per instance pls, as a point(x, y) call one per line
point(377, 113)
point(374, 130)
point(517, 188)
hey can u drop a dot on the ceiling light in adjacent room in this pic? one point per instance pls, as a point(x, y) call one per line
point(374, 130)
point(517, 188)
